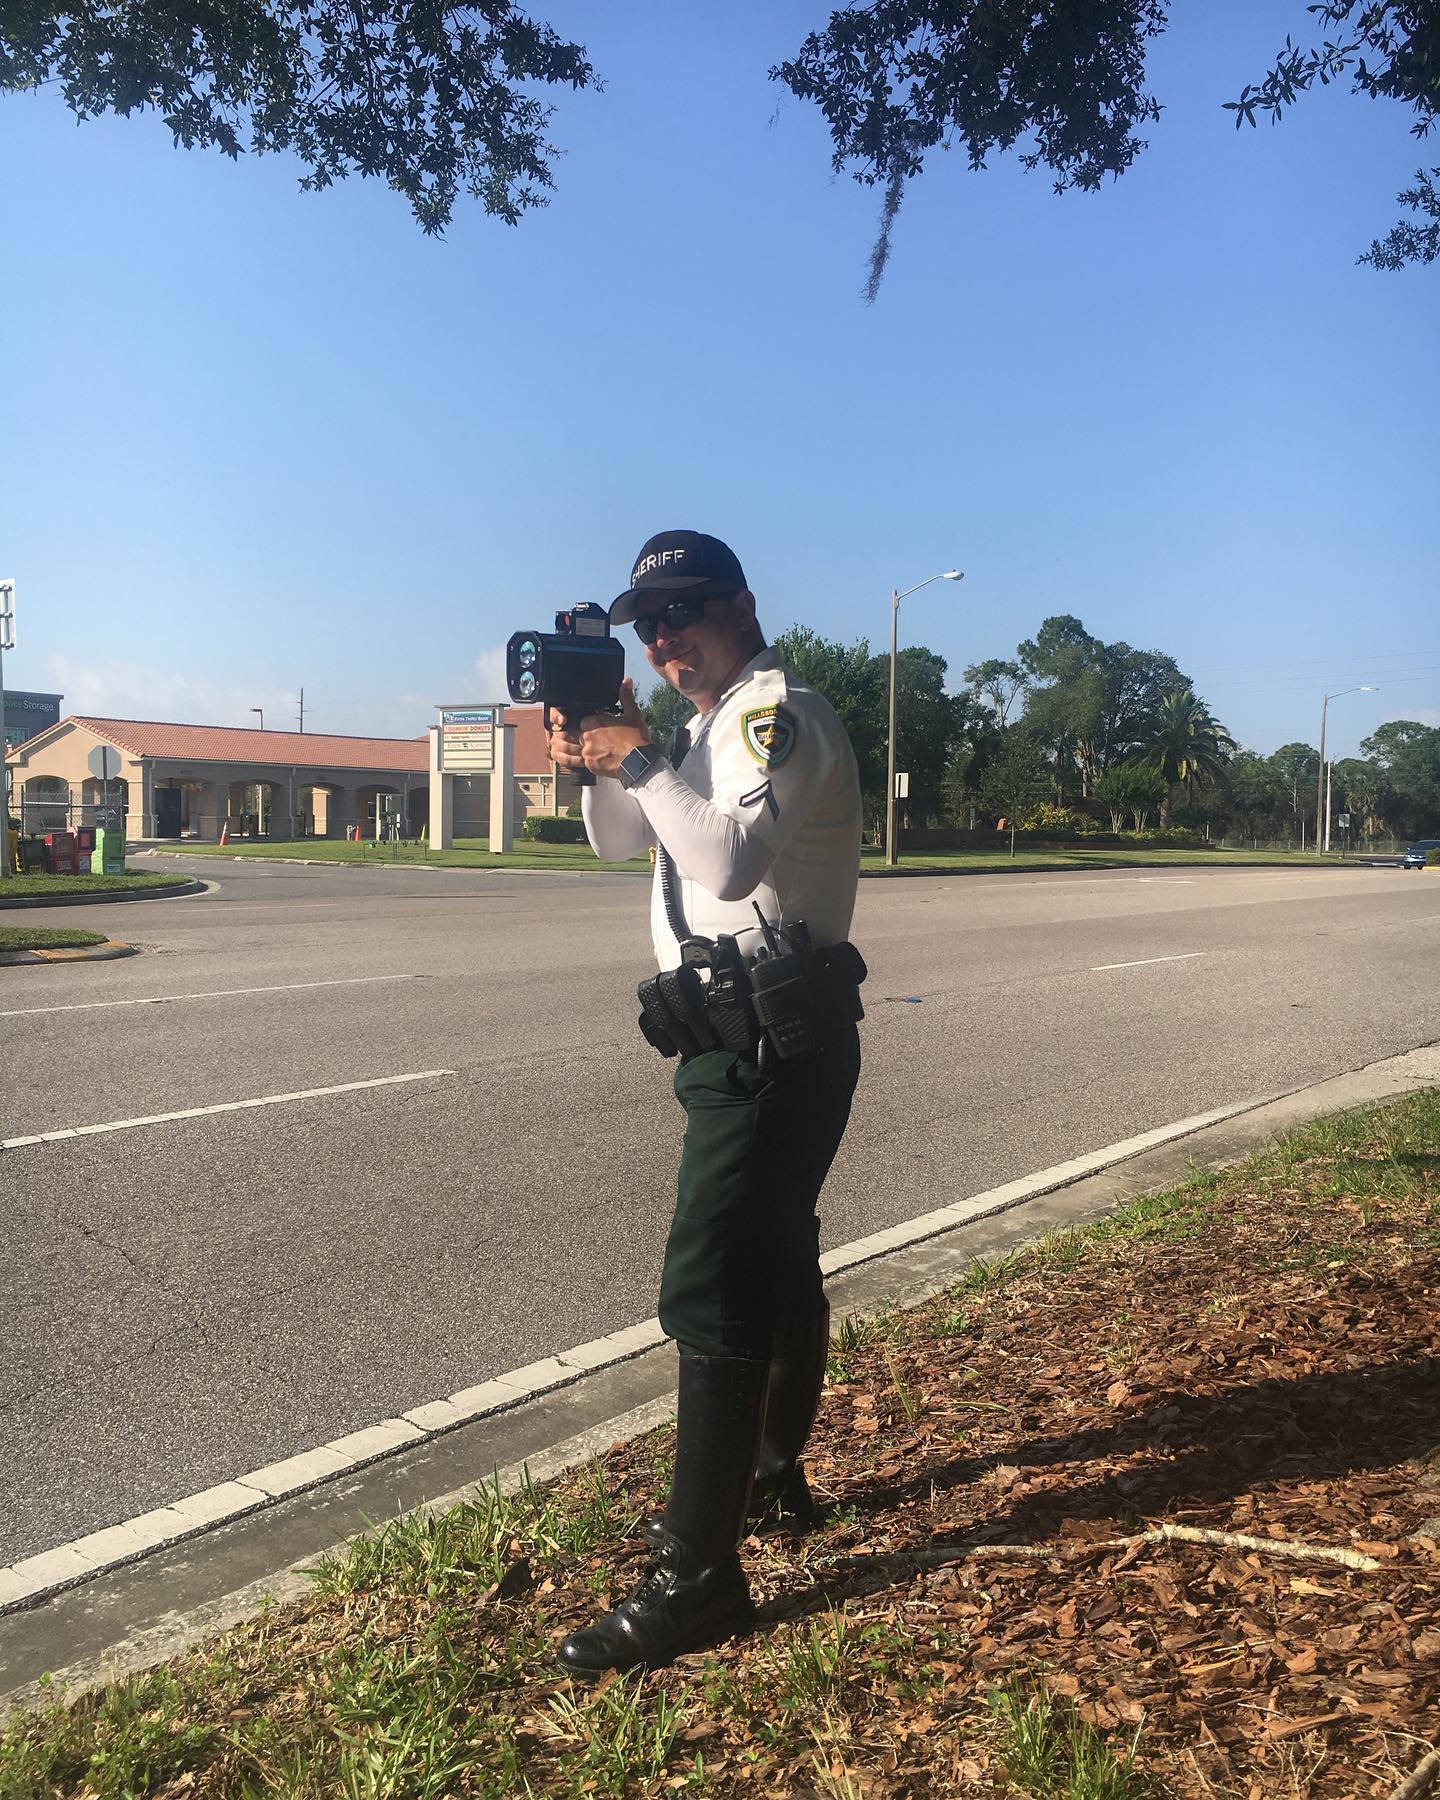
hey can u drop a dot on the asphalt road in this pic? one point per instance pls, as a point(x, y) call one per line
point(185, 1300)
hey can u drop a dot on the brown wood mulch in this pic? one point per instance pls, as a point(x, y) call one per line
point(1274, 1376)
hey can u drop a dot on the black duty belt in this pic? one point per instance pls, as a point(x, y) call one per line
point(779, 1007)
point(775, 1006)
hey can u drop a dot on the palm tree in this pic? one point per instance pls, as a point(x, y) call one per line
point(1185, 742)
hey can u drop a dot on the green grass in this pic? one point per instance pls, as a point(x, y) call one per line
point(16, 887)
point(474, 853)
point(1053, 858)
point(469, 853)
point(421, 1663)
point(1050, 1753)
point(29, 937)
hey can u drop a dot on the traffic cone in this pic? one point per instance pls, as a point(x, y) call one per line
point(224, 834)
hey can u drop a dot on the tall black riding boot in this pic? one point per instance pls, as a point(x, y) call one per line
point(694, 1592)
point(797, 1378)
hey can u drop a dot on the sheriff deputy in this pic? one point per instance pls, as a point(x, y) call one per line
point(756, 804)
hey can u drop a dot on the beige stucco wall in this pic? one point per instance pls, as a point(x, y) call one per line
point(210, 785)
point(211, 800)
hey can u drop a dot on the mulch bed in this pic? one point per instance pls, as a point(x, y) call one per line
point(1239, 1380)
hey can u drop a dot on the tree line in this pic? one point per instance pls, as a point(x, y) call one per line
point(1075, 734)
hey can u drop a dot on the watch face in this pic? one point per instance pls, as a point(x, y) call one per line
point(633, 766)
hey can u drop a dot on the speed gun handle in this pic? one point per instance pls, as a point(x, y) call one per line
point(576, 711)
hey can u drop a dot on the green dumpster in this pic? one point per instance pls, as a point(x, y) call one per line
point(109, 855)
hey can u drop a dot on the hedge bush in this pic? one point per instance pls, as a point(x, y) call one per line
point(1432, 859)
point(540, 828)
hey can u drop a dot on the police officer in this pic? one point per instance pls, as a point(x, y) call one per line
point(757, 803)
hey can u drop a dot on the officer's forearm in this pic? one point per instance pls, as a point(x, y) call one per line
point(727, 858)
point(615, 825)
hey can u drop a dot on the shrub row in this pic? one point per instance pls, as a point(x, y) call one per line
point(540, 828)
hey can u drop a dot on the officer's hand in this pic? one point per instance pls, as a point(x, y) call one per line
point(567, 751)
point(608, 740)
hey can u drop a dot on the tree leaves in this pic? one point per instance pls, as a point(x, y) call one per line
point(900, 78)
point(429, 97)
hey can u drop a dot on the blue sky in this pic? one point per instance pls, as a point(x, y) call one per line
point(255, 439)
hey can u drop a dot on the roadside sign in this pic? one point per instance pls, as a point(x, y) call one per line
point(103, 762)
point(467, 738)
point(902, 785)
point(1343, 821)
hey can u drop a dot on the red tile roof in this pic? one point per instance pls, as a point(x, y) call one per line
point(242, 743)
point(297, 749)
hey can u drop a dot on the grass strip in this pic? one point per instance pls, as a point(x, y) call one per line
point(474, 853)
point(1252, 1352)
point(17, 887)
point(28, 937)
point(468, 853)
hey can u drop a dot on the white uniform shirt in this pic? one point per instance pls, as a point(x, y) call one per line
point(764, 808)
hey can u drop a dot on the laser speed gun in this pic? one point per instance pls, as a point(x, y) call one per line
point(576, 669)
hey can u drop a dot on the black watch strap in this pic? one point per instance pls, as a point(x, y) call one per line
point(638, 764)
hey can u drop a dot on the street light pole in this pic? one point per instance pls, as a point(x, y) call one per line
point(7, 642)
point(1322, 787)
point(892, 851)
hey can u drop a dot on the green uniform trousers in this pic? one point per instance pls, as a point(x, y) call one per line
point(744, 1245)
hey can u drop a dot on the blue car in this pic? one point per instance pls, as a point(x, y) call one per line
point(1414, 857)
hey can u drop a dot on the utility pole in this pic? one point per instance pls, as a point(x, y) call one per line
point(302, 711)
point(7, 642)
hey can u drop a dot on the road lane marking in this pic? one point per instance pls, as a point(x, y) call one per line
point(223, 1106)
point(284, 987)
point(1184, 956)
point(24, 1582)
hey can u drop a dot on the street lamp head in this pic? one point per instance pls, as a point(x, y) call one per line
point(953, 575)
point(1368, 688)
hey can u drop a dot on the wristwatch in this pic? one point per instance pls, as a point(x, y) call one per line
point(638, 764)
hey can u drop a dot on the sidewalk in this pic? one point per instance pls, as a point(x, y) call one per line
point(130, 1617)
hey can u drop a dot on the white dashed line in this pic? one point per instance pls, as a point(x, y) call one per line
point(285, 987)
point(224, 1106)
point(1185, 956)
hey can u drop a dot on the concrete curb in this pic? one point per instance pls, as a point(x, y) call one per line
point(336, 862)
point(90, 953)
point(147, 1589)
point(108, 896)
point(1242, 861)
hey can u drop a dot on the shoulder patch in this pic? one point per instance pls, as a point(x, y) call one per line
point(769, 733)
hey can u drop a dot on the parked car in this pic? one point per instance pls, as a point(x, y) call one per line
point(1414, 857)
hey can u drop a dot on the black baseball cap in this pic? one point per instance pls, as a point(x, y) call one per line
point(679, 562)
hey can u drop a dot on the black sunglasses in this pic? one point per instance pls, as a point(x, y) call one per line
point(676, 614)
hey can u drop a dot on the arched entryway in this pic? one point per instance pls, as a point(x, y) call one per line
point(379, 809)
point(258, 809)
point(45, 805)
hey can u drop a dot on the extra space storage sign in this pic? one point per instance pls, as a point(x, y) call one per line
point(467, 739)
